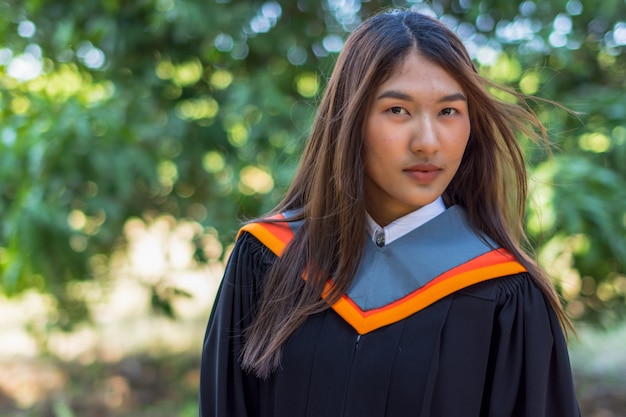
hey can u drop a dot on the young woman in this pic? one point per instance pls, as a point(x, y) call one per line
point(391, 280)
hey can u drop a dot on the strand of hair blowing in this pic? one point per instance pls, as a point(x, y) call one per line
point(491, 183)
point(494, 170)
point(498, 201)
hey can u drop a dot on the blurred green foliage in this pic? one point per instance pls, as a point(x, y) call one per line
point(198, 109)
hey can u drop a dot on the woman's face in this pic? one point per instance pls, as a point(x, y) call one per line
point(416, 131)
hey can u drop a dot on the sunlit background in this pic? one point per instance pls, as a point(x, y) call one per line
point(135, 136)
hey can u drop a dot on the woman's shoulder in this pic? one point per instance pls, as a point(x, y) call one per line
point(249, 260)
point(514, 301)
point(503, 288)
point(249, 247)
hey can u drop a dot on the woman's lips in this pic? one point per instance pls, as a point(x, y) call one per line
point(423, 173)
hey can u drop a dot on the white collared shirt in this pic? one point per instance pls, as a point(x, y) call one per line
point(385, 235)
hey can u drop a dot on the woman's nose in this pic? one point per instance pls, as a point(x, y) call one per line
point(424, 136)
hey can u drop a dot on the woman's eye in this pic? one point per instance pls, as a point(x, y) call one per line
point(397, 110)
point(448, 111)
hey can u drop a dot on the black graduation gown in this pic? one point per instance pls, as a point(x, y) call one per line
point(494, 349)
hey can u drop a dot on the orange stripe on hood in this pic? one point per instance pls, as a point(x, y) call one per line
point(493, 264)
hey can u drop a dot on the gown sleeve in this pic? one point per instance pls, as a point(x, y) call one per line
point(531, 374)
point(225, 389)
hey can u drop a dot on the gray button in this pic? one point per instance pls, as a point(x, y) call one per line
point(380, 239)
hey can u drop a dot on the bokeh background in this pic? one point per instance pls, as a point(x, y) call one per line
point(136, 135)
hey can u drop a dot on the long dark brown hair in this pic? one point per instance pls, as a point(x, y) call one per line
point(327, 193)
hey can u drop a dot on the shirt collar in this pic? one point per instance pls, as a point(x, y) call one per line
point(385, 235)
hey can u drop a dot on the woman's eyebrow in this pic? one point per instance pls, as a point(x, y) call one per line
point(394, 94)
point(404, 96)
point(452, 97)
